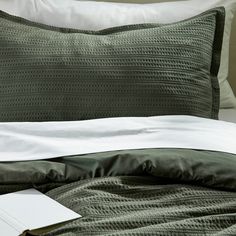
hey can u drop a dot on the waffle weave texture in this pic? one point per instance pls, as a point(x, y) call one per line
point(142, 206)
point(49, 73)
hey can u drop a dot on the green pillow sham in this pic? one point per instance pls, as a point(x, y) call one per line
point(55, 74)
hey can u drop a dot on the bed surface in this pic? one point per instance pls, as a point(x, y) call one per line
point(138, 191)
point(170, 191)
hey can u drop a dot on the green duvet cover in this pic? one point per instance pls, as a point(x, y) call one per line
point(136, 192)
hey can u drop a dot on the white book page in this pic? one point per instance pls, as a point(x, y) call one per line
point(30, 209)
point(7, 229)
point(9, 225)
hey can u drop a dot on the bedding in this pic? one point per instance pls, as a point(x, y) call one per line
point(58, 74)
point(94, 15)
point(166, 175)
point(162, 191)
point(45, 140)
point(159, 191)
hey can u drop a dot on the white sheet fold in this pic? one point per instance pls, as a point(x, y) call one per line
point(43, 140)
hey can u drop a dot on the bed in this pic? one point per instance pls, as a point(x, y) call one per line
point(119, 122)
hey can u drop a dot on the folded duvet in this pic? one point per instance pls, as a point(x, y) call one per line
point(156, 190)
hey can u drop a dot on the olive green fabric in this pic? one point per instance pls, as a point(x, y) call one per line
point(205, 168)
point(49, 73)
point(136, 192)
point(143, 206)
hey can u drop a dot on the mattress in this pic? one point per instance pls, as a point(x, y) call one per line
point(228, 115)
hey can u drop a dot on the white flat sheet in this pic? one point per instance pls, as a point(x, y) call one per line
point(228, 115)
point(31, 141)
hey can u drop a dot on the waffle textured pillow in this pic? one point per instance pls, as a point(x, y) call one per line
point(92, 15)
point(54, 74)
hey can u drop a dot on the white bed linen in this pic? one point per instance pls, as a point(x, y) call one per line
point(31, 141)
point(228, 115)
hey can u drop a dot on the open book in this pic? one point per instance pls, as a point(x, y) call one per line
point(31, 210)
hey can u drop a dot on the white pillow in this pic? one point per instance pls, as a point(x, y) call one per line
point(99, 15)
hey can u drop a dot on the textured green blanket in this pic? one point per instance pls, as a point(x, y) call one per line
point(136, 192)
point(146, 206)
